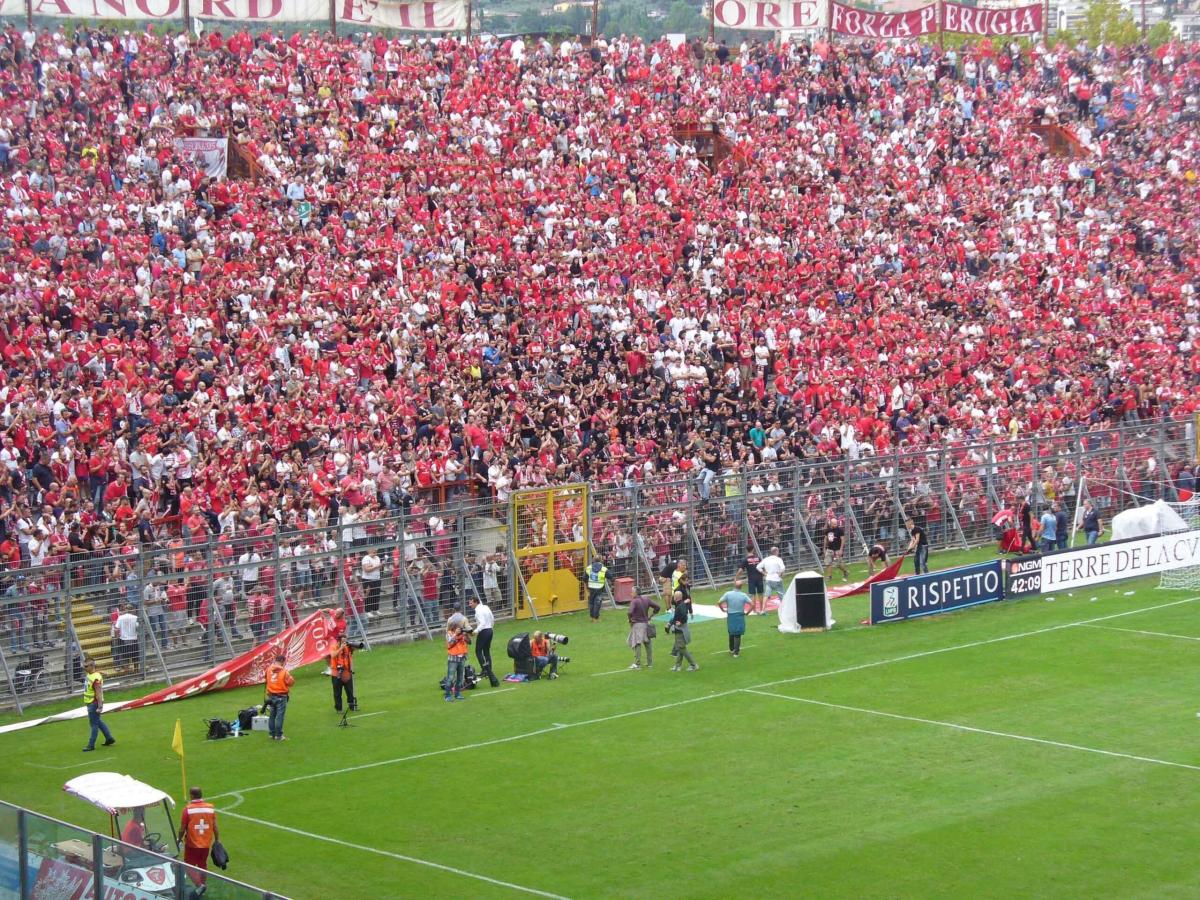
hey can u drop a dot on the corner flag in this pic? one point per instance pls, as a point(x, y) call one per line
point(177, 746)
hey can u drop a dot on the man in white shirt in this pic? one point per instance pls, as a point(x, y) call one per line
point(485, 621)
point(371, 573)
point(125, 631)
point(249, 562)
point(772, 569)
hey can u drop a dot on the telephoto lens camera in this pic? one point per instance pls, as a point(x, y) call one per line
point(556, 638)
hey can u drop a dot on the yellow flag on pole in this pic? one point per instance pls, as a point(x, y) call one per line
point(177, 746)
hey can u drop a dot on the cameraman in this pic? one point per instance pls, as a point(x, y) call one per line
point(341, 670)
point(543, 654)
point(457, 640)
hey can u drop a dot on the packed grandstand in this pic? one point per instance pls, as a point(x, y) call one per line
point(473, 267)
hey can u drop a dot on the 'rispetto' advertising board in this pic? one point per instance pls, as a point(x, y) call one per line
point(1102, 563)
point(923, 595)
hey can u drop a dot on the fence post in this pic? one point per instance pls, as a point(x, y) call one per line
point(11, 684)
point(97, 865)
point(333, 17)
point(23, 855)
point(897, 502)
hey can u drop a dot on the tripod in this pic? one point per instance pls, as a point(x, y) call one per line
point(345, 720)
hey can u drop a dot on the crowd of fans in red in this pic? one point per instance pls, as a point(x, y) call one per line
point(491, 265)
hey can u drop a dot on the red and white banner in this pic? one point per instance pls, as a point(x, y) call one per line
point(308, 641)
point(769, 15)
point(861, 587)
point(209, 155)
point(993, 22)
point(861, 23)
point(422, 15)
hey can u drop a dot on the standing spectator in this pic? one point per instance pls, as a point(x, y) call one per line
point(93, 700)
point(1061, 531)
point(279, 687)
point(918, 545)
point(371, 572)
point(491, 579)
point(1047, 530)
point(198, 825)
point(485, 622)
point(1089, 521)
point(772, 568)
point(125, 629)
point(735, 604)
point(154, 602)
point(641, 629)
point(249, 564)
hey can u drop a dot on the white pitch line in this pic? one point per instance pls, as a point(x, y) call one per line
point(614, 671)
point(475, 746)
point(746, 647)
point(493, 691)
point(61, 768)
point(967, 646)
point(365, 715)
point(1182, 637)
point(399, 856)
point(662, 706)
point(957, 727)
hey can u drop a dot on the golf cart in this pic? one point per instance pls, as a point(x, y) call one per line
point(133, 809)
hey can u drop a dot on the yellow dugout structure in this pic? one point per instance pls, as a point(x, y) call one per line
point(548, 534)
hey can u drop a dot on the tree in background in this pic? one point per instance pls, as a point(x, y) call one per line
point(1108, 22)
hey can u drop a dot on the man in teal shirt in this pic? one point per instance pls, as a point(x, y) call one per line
point(735, 604)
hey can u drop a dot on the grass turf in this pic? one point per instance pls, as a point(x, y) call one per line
point(951, 755)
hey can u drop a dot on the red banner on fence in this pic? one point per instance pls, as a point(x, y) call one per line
point(308, 641)
point(993, 22)
point(861, 23)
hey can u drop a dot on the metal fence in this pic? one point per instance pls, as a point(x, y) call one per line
point(43, 857)
point(189, 605)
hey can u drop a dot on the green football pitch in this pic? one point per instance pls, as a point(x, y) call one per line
point(1045, 747)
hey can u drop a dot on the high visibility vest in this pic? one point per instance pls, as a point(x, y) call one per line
point(596, 579)
point(89, 692)
point(201, 823)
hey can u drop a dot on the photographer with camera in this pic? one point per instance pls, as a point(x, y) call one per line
point(543, 654)
point(341, 671)
point(457, 640)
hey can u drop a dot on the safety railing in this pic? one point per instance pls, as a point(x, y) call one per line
point(45, 857)
point(188, 604)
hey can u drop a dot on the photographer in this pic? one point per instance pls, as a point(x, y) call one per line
point(341, 671)
point(457, 640)
point(543, 654)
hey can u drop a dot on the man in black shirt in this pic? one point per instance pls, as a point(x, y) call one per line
point(833, 544)
point(918, 545)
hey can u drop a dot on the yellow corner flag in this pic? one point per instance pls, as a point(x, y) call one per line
point(177, 746)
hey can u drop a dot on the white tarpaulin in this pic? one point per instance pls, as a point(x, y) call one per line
point(789, 623)
point(209, 155)
point(1157, 518)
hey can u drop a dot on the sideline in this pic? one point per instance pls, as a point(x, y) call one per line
point(1182, 637)
point(712, 696)
point(957, 727)
point(398, 856)
point(967, 646)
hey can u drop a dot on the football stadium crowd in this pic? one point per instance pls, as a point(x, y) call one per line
point(490, 265)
